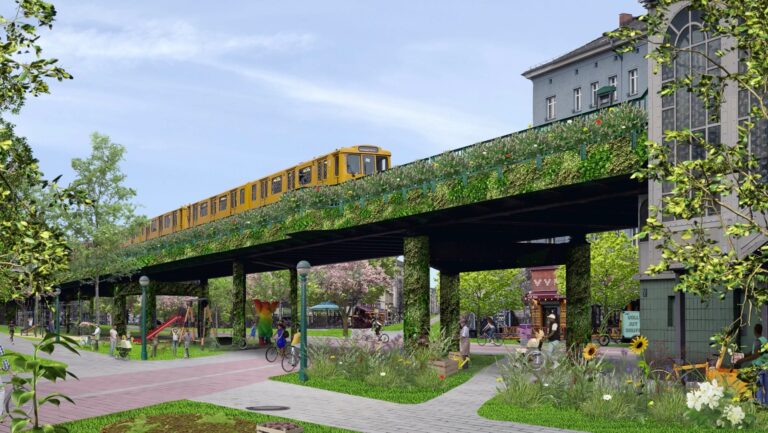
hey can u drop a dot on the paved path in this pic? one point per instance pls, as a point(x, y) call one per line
point(454, 411)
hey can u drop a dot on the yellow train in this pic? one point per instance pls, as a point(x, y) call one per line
point(341, 165)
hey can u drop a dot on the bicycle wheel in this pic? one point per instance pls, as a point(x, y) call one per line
point(536, 359)
point(603, 340)
point(271, 354)
point(496, 340)
point(290, 361)
point(243, 344)
point(482, 341)
point(384, 338)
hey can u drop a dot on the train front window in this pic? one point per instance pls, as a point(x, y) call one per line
point(305, 175)
point(368, 164)
point(353, 163)
point(382, 163)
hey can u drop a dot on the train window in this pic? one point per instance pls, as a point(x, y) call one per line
point(160, 223)
point(382, 163)
point(203, 209)
point(336, 165)
point(277, 184)
point(368, 164)
point(175, 219)
point(154, 225)
point(353, 163)
point(264, 189)
point(253, 192)
point(213, 206)
point(233, 199)
point(305, 175)
point(223, 203)
point(322, 169)
point(242, 195)
point(291, 178)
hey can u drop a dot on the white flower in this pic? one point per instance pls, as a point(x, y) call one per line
point(546, 384)
point(382, 374)
point(607, 397)
point(708, 394)
point(340, 362)
point(734, 414)
point(569, 121)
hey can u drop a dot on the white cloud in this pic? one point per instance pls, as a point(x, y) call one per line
point(445, 128)
point(175, 40)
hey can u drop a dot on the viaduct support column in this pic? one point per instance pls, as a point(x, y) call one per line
point(151, 307)
point(449, 307)
point(238, 303)
point(202, 303)
point(416, 290)
point(578, 294)
point(294, 299)
point(119, 312)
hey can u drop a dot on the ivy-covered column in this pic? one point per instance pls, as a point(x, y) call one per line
point(449, 307)
point(238, 303)
point(151, 307)
point(119, 312)
point(294, 298)
point(577, 293)
point(203, 295)
point(416, 290)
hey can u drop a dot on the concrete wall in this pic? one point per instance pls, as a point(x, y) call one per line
point(562, 81)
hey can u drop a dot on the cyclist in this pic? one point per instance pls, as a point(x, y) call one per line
point(489, 328)
point(376, 325)
point(281, 338)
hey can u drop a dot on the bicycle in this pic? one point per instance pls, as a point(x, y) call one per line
point(272, 352)
point(493, 338)
point(292, 359)
point(382, 337)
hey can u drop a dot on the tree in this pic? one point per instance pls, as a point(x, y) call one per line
point(32, 250)
point(96, 228)
point(613, 266)
point(486, 293)
point(348, 284)
point(268, 286)
point(724, 179)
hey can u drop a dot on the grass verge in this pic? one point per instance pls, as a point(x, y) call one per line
point(548, 416)
point(410, 396)
point(164, 352)
point(93, 425)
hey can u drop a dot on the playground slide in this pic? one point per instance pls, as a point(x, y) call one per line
point(159, 329)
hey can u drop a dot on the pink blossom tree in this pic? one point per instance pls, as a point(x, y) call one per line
point(348, 284)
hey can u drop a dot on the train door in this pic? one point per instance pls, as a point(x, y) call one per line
point(382, 163)
point(369, 164)
point(233, 198)
point(290, 177)
point(263, 191)
point(195, 210)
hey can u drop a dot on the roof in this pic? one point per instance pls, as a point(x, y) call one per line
point(327, 305)
point(596, 46)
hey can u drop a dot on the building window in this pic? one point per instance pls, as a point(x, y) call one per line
point(684, 110)
point(577, 99)
point(670, 311)
point(758, 135)
point(613, 81)
point(593, 97)
point(551, 101)
point(576, 72)
point(633, 82)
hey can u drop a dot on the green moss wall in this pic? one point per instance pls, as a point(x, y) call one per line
point(416, 289)
point(450, 307)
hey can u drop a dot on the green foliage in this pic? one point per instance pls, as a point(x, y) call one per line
point(357, 369)
point(727, 180)
point(519, 163)
point(28, 371)
point(486, 293)
point(613, 266)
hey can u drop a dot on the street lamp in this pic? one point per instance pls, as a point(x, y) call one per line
point(56, 293)
point(144, 282)
point(302, 268)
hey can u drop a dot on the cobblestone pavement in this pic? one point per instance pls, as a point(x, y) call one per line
point(454, 411)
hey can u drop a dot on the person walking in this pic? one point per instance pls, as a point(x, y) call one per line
point(11, 329)
point(112, 340)
point(553, 331)
point(187, 341)
point(96, 335)
point(464, 342)
point(174, 341)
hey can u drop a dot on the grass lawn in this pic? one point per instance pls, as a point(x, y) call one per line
point(413, 396)
point(497, 409)
point(434, 330)
point(163, 350)
point(198, 417)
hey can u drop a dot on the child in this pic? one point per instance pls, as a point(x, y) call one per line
point(155, 342)
point(11, 329)
point(187, 340)
point(281, 334)
point(174, 340)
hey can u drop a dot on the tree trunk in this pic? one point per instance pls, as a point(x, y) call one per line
point(96, 313)
point(344, 321)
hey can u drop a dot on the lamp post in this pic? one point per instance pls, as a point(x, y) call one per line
point(56, 313)
point(144, 282)
point(302, 268)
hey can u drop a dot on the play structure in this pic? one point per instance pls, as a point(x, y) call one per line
point(264, 310)
point(159, 329)
point(187, 322)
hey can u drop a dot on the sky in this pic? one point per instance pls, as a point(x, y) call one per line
point(209, 95)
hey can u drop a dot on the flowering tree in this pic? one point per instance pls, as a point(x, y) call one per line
point(347, 284)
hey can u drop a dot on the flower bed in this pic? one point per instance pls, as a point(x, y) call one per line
point(587, 148)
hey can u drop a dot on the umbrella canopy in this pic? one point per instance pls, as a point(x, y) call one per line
point(327, 305)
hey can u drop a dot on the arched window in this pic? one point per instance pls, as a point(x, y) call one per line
point(685, 110)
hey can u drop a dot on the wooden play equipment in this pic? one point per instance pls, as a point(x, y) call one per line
point(727, 377)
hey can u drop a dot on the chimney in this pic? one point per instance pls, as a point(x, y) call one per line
point(625, 19)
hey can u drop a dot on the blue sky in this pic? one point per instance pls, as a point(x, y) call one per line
point(208, 95)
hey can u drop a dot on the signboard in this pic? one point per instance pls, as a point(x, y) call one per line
point(630, 323)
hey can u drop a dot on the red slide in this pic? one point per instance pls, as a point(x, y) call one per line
point(159, 329)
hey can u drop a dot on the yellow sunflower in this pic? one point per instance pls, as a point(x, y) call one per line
point(638, 345)
point(590, 351)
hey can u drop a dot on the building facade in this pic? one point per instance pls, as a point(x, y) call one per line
point(587, 78)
